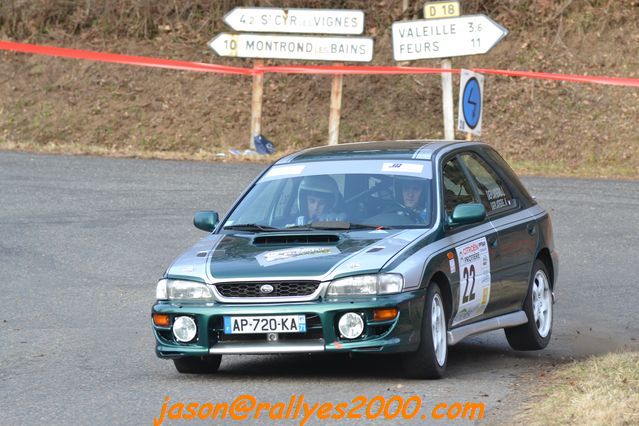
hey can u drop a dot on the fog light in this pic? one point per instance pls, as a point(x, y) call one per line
point(351, 325)
point(384, 314)
point(161, 320)
point(184, 329)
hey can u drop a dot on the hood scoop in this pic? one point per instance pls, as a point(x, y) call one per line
point(303, 239)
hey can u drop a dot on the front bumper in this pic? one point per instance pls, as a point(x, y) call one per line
point(397, 335)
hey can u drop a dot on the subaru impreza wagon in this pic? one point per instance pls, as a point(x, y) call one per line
point(403, 247)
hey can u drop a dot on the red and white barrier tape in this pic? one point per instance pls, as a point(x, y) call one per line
point(142, 61)
point(294, 69)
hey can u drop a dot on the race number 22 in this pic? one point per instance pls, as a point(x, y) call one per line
point(469, 274)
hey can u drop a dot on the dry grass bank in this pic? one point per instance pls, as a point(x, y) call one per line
point(599, 391)
point(543, 127)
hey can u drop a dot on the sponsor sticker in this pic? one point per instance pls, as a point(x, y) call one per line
point(474, 274)
point(403, 167)
point(275, 257)
point(285, 171)
point(451, 262)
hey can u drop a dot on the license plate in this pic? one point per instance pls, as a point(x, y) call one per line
point(270, 324)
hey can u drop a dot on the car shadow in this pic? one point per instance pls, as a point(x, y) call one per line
point(465, 359)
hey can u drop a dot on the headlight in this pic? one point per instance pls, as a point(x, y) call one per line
point(366, 285)
point(182, 290)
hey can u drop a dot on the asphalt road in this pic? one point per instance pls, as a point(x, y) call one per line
point(83, 241)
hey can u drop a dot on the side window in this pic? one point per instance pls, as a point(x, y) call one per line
point(457, 189)
point(494, 194)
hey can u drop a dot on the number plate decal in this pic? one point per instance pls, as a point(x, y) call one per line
point(265, 324)
point(474, 279)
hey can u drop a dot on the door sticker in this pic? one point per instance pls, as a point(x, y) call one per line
point(474, 279)
point(451, 262)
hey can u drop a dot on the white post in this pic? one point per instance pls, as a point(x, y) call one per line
point(447, 100)
point(336, 109)
point(256, 103)
point(404, 5)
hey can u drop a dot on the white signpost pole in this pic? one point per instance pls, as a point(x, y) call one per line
point(447, 100)
point(335, 112)
point(256, 103)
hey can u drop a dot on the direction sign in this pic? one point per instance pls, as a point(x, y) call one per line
point(445, 38)
point(441, 9)
point(309, 21)
point(471, 90)
point(343, 49)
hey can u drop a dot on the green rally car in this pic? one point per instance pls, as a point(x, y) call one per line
point(401, 247)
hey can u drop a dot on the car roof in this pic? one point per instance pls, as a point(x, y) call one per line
point(391, 150)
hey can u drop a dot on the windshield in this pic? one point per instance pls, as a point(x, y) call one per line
point(338, 195)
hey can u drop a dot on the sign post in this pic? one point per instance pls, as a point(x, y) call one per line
point(294, 46)
point(256, 102)
point(471, 96)
point(336, 109)
point(445, 37)
point(447, 100)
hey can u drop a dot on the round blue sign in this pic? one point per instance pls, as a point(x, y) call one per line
point(471, 102)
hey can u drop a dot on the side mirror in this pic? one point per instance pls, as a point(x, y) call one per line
point(206, 221)
point(465, 214)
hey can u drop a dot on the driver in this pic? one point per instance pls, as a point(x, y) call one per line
point(412, 196)
point(318, 199)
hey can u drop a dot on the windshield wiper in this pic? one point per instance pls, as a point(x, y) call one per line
point(337, 225)
point(251, 227)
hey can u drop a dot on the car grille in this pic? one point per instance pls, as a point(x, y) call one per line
point(280, 289)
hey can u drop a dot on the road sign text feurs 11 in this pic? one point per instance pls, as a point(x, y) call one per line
point(445, 38)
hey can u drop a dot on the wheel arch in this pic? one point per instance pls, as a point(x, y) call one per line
point(544, 256)
point(444, 285)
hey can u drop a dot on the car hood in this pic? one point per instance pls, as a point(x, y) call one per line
point(311, 255)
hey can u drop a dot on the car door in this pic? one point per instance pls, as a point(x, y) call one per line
point(472, 247)
point(516, 234)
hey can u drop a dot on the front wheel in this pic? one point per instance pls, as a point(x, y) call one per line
point(535, 334)
point(198, 364)
point(429, 361)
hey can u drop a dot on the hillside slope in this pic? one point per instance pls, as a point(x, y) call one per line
point(62, 105)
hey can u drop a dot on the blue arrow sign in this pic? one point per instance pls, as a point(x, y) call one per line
point(471, 103)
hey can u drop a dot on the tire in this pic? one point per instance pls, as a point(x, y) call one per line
point(429, 361)
point(535, 334)
point(198, 364)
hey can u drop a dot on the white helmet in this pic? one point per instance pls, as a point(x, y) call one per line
point(323, 186)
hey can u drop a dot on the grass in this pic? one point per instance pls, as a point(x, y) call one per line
point(560, 168)
point(598, 391)
point(79, 148)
